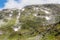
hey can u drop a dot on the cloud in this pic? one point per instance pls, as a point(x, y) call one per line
point(11, 4)
point(21, 3)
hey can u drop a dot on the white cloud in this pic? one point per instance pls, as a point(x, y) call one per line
point(11, 4)
point(14, 4)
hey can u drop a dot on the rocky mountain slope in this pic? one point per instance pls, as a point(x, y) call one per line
point(33, 22)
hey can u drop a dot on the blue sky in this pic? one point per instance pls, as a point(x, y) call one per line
point(2, 2)
point(21, 3)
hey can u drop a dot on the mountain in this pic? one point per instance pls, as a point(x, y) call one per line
point(33, 22)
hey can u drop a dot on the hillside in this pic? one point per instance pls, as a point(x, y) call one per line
point(33, 22)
